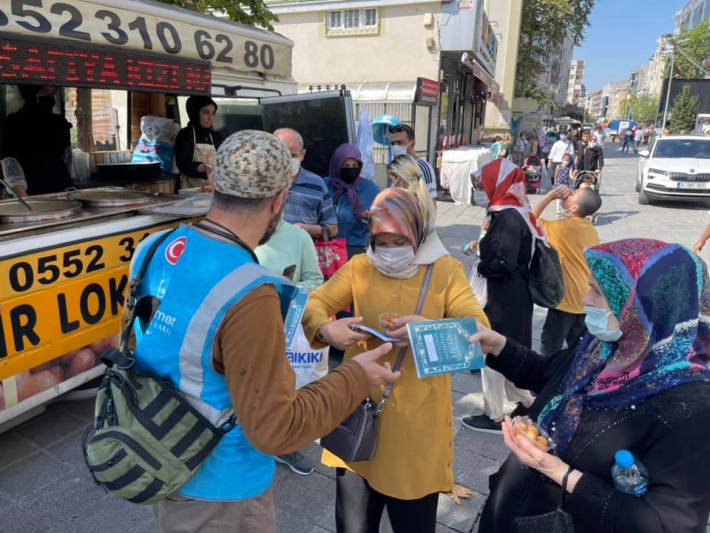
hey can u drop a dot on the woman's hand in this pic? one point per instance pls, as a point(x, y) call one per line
point(397, 328)
point(492, 343)
point(698, 246)
point(339, 335)
point(532, 456)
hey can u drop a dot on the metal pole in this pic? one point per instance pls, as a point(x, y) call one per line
point(668, 93)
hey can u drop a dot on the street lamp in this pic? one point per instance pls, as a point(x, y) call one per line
point(673, 44)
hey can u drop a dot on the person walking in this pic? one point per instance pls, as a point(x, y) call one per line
point(413, 460)
point(232, 325)
point(628, 140)
point(309, 205)
point(638, 137)
point(591, 157)
point(570, 236)
point(558, 150)
point(601, 138)
point(352, 197)
point(505, 253)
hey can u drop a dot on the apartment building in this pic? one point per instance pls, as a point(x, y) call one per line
point(384, 50)
point(575, 88)
point(691, 15)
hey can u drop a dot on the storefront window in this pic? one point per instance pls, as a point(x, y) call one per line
point(99, 118)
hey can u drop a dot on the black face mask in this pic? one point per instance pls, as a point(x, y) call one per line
point(46, 102)
point(349, 175)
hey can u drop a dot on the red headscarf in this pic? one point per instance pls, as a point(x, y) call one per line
point(504, 183)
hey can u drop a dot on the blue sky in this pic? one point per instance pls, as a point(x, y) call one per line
point(623, 37)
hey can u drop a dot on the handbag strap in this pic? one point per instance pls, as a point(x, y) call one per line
point(327, 236)
point(403, 351)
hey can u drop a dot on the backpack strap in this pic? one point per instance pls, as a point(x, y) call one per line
point(133, 294)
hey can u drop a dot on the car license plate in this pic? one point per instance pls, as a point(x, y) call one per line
point(691, 185)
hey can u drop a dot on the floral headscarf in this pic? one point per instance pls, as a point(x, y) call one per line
point(660, 293)
point(398, 211)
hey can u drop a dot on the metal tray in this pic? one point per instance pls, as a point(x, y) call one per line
point(112, 197)
point(13, 212)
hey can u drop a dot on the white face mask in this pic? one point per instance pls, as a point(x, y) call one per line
point(592, 144)
point(480, 198)
point(398, 150)
point(563, 137)
point(393, 262)
point(295, 166)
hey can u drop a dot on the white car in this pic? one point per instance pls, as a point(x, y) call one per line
point(675, 168)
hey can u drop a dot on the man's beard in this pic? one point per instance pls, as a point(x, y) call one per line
point(272, 227)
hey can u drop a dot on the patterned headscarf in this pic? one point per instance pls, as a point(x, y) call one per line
point(660, 293)
point(399, 212)
point(504, 183)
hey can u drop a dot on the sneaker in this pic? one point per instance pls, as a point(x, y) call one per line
point(483, 424)
point(520, 410)
point(299, 463)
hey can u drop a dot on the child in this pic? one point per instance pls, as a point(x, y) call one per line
point(564, 177)
point(570, 236)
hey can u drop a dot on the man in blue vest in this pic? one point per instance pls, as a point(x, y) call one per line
point(218, 336)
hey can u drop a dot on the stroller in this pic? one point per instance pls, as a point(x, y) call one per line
point(532, 166)
point(591, 180)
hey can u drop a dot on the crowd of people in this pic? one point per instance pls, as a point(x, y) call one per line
point(623, 362)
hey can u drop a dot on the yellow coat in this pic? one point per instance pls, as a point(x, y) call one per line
point(415, 452)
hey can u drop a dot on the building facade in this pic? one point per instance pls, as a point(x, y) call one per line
point(381, 49)
point(505, 18)
point(691, 15)
point(575, 88)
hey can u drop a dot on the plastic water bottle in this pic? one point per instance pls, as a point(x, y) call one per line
point(630, 476)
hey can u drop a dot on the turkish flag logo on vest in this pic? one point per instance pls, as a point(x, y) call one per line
point(175, 250)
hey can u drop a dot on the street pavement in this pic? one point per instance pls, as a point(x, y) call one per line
point(45, 487)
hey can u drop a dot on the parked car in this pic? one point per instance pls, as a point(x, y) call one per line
point(675, 168)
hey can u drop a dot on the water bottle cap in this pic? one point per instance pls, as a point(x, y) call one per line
point(624, 459)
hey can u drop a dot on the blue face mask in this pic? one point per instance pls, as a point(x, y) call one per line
point(597, 321)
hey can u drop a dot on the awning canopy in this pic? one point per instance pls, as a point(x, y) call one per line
point(403, 91)
point(469, 61)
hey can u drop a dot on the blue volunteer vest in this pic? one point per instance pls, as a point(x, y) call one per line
point(198, 279)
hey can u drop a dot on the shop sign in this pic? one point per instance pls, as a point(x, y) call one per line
point(63, 299)
point(427, 92)
point(485, 43)
point(91, 24)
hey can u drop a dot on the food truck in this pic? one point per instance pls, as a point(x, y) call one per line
point(64, 264)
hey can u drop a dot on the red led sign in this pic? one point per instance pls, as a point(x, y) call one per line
point(61, 64)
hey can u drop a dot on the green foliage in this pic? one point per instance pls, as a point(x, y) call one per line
point(644, 108)
point(589, 118)
point(697, 48)
point(251, 12)
point(685, 109)
point(544, 25)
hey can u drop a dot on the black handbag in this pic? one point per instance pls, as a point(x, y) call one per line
point(558, 521)
point(355, 439)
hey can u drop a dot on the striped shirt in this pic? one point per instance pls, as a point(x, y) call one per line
point(309, 201)
point(429, 176)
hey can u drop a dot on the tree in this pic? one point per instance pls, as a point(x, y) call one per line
point(644, 107)
point(696, 47)
point(685, 108)
point(543, 27)
point(252, 12)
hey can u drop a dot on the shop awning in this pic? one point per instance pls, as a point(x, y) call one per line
point(469, 61)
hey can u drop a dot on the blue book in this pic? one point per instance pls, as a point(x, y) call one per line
point(442, 347)
point(294, 315)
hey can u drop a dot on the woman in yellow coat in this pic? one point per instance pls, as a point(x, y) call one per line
point(414, 456)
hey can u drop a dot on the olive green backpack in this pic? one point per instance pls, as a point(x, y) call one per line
point(148, 440)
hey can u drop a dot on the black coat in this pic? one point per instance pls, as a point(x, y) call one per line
point(590, 158)
point(505, 258)
point(39, 140)
point(668, 433)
